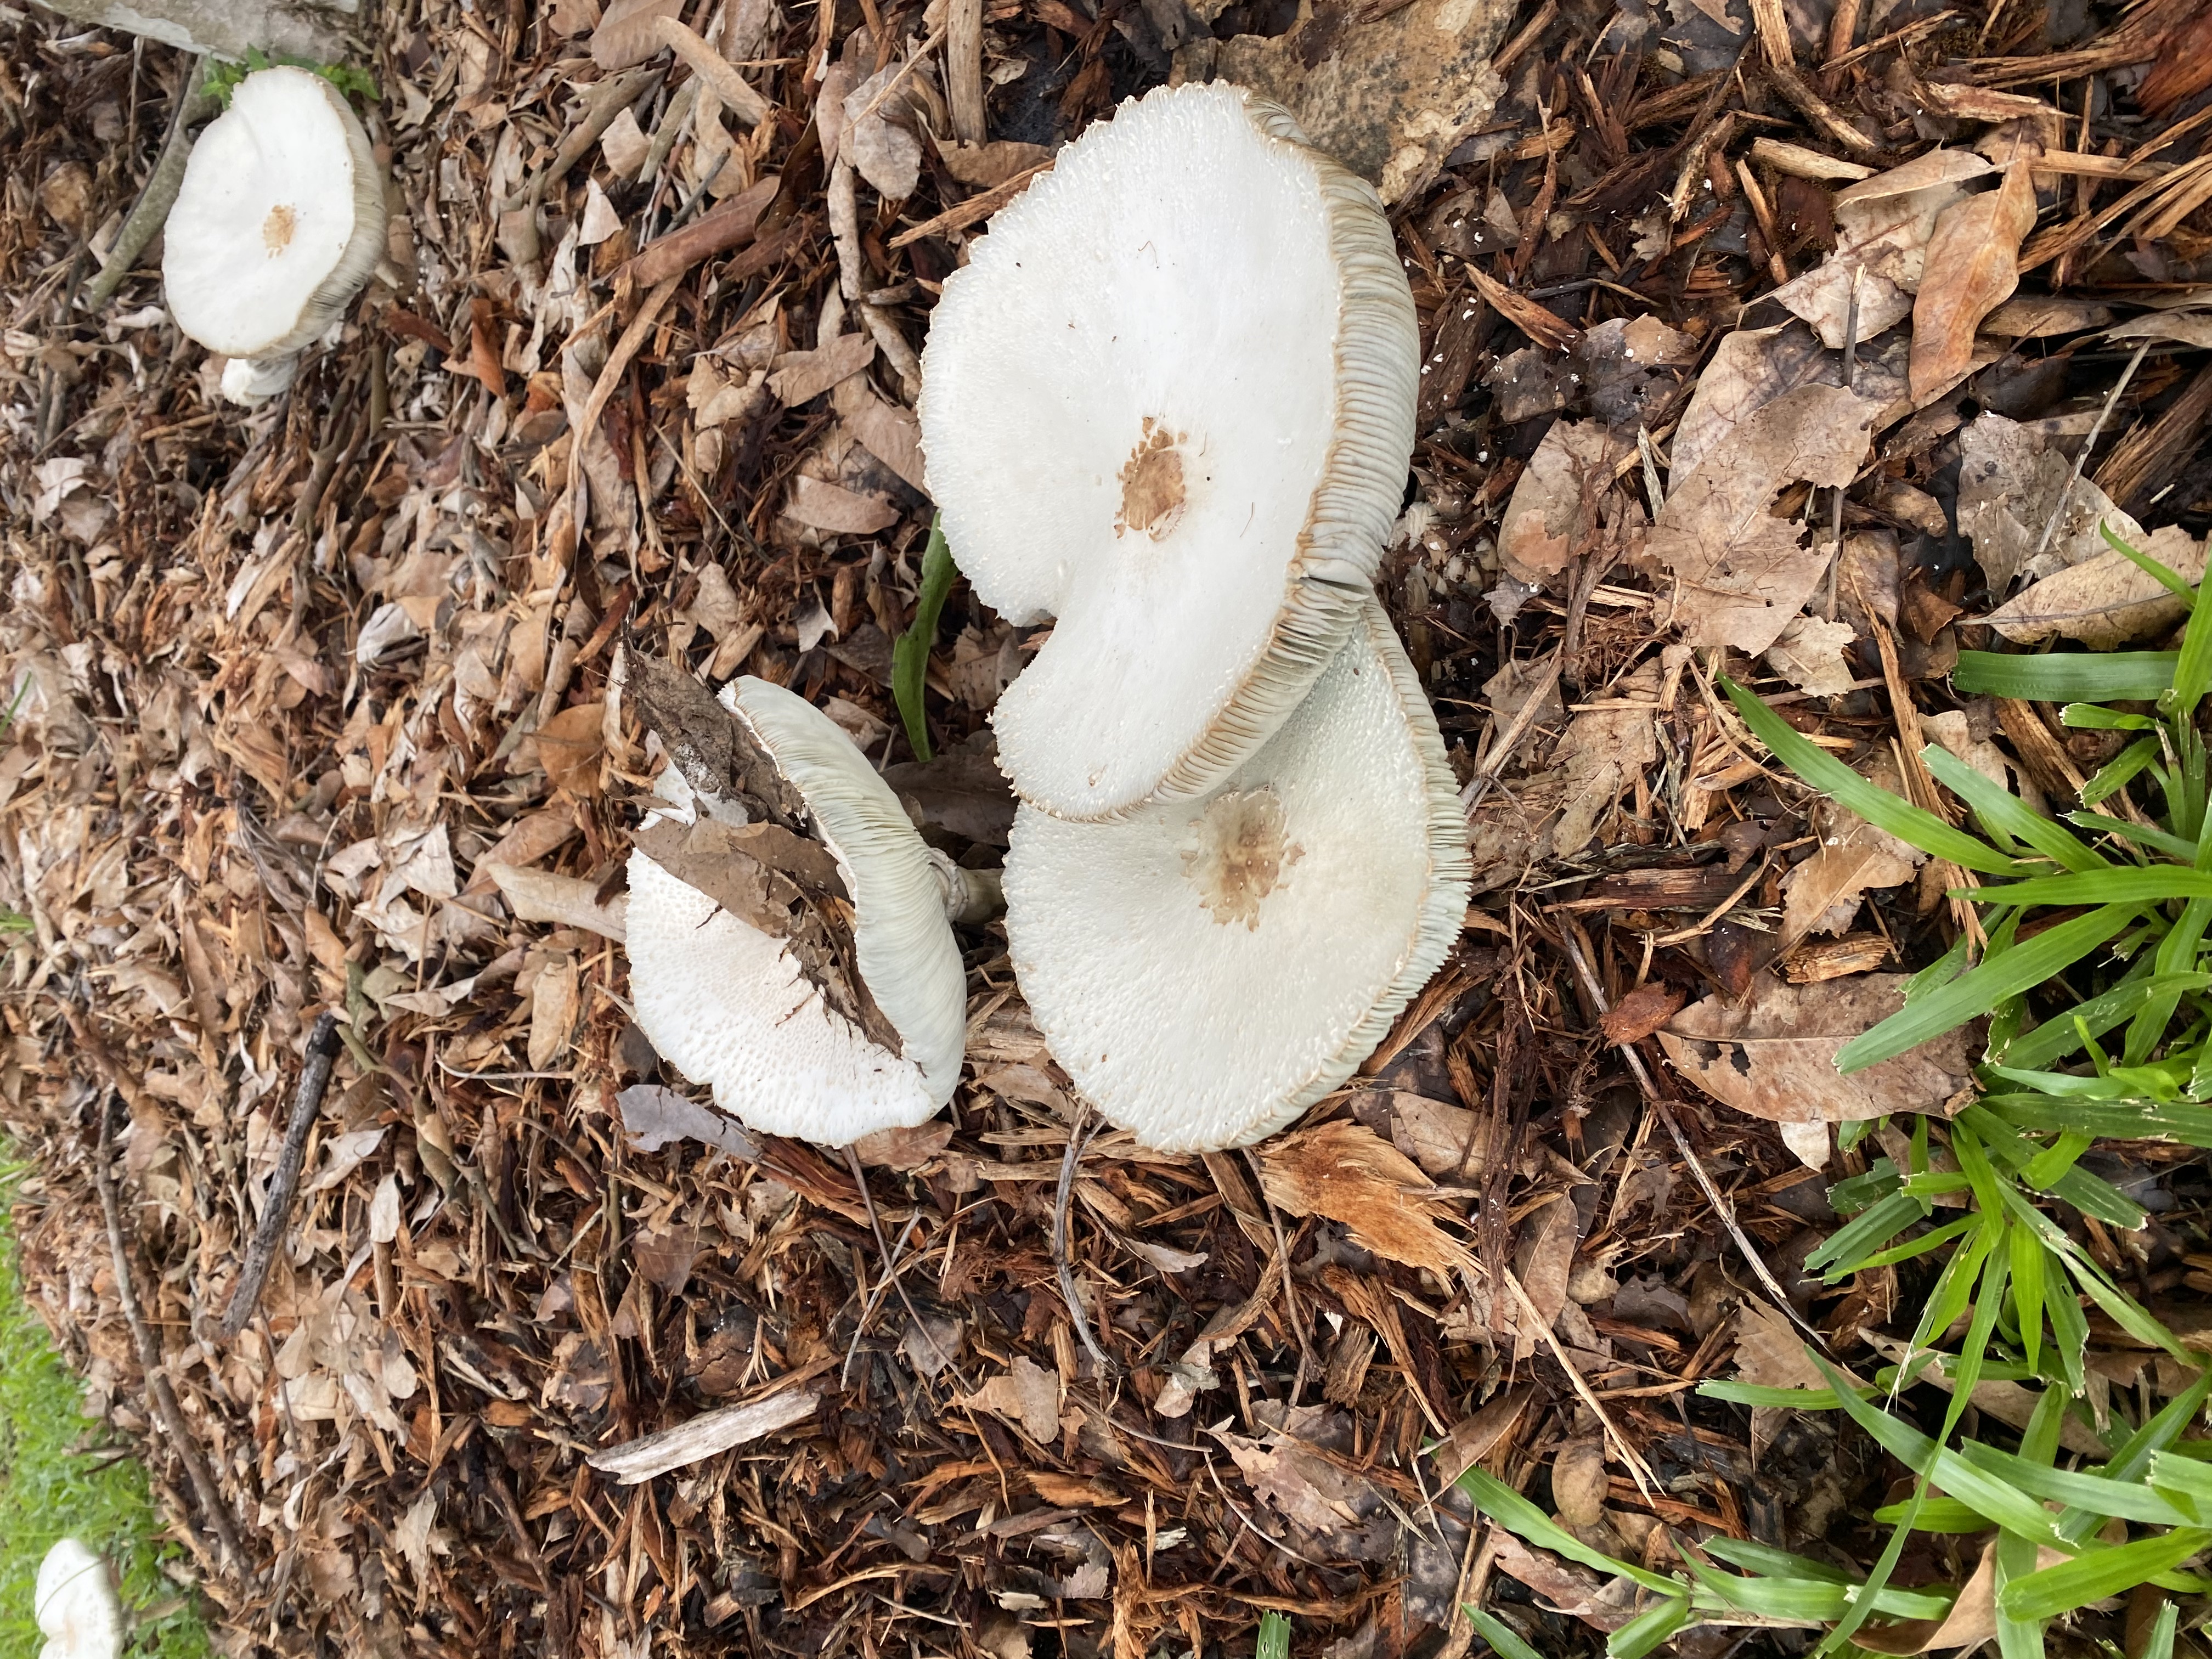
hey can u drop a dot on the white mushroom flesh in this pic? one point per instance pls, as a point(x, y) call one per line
point(1205, 970)
point(1169, 400)
point(76, 1605)
point(729, 1006)
point(280, 219)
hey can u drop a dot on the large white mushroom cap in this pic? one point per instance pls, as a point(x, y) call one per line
point(1207, 969)
point(76, 1605)
point(729, 1005)
point(1169, 401)
point(280, 219)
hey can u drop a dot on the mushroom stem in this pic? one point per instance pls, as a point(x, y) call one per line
point(971, 896)
point(194, 103)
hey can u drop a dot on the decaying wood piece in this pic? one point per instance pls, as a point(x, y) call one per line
point(285, 1182)
point(231, 28)
point(706, 1435)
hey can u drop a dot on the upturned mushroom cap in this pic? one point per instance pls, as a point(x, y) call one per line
point(733, 1007)
point(1169, 401)
point(280, 219)
point(76, 1605)
point(1207, 969)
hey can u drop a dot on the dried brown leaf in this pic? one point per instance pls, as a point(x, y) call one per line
point(627, 34)
point(1554, 511)
point(1972, 266)
point(2108, 600)
point(1742, 574)
point(822, 506)
point(1773, 1056)
point(1578, 1481)
point(1348, 1173)
point(1642, 1012)
point(569, 748)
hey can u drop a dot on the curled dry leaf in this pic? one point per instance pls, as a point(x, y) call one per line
point(2108, 600)
point(1822, 895)
point(627, 32)
point(1809, 654)
point(1027, 1395)
point(1972, 267)
point(1351, 1175)
point(1773, 1056)
point(1742, 574)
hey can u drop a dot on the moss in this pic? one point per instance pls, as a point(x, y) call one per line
point(61, 1474)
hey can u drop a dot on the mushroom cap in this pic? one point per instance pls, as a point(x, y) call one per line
point(1207, 969)
point(1169, 400)
point(728, 1005)
point(76, 1605)
point(280, 219)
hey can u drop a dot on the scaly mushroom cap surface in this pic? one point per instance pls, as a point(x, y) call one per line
point(76, 1605)
point(280, 219)
point(1169, 401)
point(1207, 969)
point(730, 1005)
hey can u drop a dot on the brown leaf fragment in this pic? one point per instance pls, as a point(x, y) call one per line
point(1742, 574)
point(1770, 1353)
point(904, 1149)
point(1773, 1056)
point(1445, 1139)
point(2108, 600)
point(1028, 1395)
point(1579, 1482)
point(1564, 1587)
point(1543, 1263)
point(801, 375)
point(1351, 1175)
point(1972, 266)
point(1543, 327)
point(569, 748)
point(1822, 894)
point(1553, 512)
point(653, 1115)
point(1642, 1012)
point(626, 34)
point(1476, 1438)
point(823, 506)
point(1883, 225)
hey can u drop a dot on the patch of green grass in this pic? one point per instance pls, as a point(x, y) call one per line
point(58, 1479)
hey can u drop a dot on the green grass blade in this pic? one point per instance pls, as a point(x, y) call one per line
point(1936, 1515)
point(1649, 1629)
point(2125, 1500)
point(2115, 885)
point(1517, 1514)
point(1978, 991)
point(1842, 1251)
point(2003, 811)
point(2066, 677)
point(2027, 1276)
point(2120, 771)
point(2193, 673)
point(2017, 1638)
point(2092, 1577)
point(1275, 1638)
point(2056, 1038)
point(1500, 1634)
point(910, 651)
point(2094, 717)
point(1876, 804)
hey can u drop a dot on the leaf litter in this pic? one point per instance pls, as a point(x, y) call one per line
point(334, 707)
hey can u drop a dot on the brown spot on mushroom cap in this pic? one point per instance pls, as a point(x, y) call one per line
point(277, 229)
point(1237, 855)
point(1153, 493)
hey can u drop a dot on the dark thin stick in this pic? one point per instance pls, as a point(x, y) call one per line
point(1076, 1140)
point(883, 1254)
point(2050, 525)
point(1836, 502)
point(276, 1209)
point(193, 103)
point(1289, 1291)
point(149, 1357)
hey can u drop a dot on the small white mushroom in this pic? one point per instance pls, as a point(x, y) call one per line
point(1169, 401)
point(76, 1605)
point(747, 990)
point(1207, 969)
point(279, 222)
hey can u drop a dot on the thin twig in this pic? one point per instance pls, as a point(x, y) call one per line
point(149, 1355)
point(193, 103)
point(284, 1184)
point(1836, 504)
point(2050, 525)
point(1076, 1141)
point(1658, 1101)
point(883, 1254)
point(1646, 1482)
point(1289, 1291)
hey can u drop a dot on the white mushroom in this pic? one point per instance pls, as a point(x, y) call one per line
point(1205, 970)
point(76, 1605)
point(1169, 401)
point(808, 1016)
point(278, 223)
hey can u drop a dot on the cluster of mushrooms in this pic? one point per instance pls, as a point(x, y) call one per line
point(1169, 403)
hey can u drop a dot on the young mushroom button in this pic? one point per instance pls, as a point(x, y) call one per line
point(278, 223)
point(1169, 401)
point(1207, 969)
point(752, 989)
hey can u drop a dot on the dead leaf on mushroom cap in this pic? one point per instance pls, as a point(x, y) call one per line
point(1349, 1174)
point(1773, 1056)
